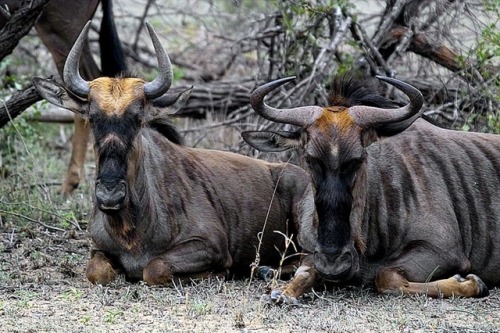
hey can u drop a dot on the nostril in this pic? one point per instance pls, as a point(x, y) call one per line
point(122, 185)
point(110, 194)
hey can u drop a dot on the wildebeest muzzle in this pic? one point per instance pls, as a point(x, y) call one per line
point(110, 195)
point(339, 266)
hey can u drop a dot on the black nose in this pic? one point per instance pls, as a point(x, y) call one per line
point(110, 195)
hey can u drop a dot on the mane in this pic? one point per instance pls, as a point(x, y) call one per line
point(350, 89)
point(126, 74)
point(165, 127)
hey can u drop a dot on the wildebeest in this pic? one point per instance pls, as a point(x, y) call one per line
point(58, 27)
point(400, 202)
point(163, 210)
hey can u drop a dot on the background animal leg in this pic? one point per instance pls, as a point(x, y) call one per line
point(392, 281)
point(101, 269)
point(75, 169)
point(192, 259)
point(89, 70)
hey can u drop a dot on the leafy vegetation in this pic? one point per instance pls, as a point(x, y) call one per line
point(34, 157)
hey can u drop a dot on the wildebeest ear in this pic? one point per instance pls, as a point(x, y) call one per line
point(171, 104)
point(368, 137)
point(55, 94)
point(268, 141)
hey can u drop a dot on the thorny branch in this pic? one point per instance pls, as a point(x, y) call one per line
point(233, 52)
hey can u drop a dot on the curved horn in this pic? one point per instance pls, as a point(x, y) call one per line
point(162, 82)
point(369, 117)
point(300, 116)
point(71, 73)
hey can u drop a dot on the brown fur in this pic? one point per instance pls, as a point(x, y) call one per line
point(415, 211)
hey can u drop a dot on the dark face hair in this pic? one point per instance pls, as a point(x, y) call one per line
point(114, 140)
point(335, 150)
point(117, 116)
point(114, 136)
point(333, 161)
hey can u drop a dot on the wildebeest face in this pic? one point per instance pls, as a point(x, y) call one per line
point(334, 147)
point(117, 109)
point(333, 151)
point(116, 114)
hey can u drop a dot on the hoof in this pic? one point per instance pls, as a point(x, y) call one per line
point(157, 273)
point(483, 290)
point(100, 269)
point(265, 273)
point(458, 278)
point(279, 298)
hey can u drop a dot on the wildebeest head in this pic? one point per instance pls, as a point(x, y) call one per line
point(117, 109)
point(334, 139)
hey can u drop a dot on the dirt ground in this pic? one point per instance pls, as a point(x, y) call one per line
point(43, 289)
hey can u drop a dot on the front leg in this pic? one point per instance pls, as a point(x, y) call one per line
point(101, 268)
point(195, 258)
point(393, 281)
point(304, 280)
point(412, 271)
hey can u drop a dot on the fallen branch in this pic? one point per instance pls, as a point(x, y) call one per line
point(52, 115)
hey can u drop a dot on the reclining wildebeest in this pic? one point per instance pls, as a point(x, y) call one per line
point(401, 204)
point(163, 210)
point(58, 27)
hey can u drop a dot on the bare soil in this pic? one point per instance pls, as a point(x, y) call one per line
point(43, 289)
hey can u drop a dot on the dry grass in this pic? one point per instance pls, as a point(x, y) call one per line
point(43, 289)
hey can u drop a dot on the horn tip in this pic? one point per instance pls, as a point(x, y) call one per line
point(284, 80)
point(86, 27)
point(384, 78)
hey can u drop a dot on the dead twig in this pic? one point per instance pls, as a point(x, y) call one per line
point(27, 218)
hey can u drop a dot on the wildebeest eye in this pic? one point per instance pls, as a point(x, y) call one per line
point(316, 165)
point(351, 165)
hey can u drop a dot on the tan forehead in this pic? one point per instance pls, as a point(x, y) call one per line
point(114, 95)
point(337, 116)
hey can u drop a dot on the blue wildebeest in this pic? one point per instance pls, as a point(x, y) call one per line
point(58, 27)
point(400, 202)
point(163, 210)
